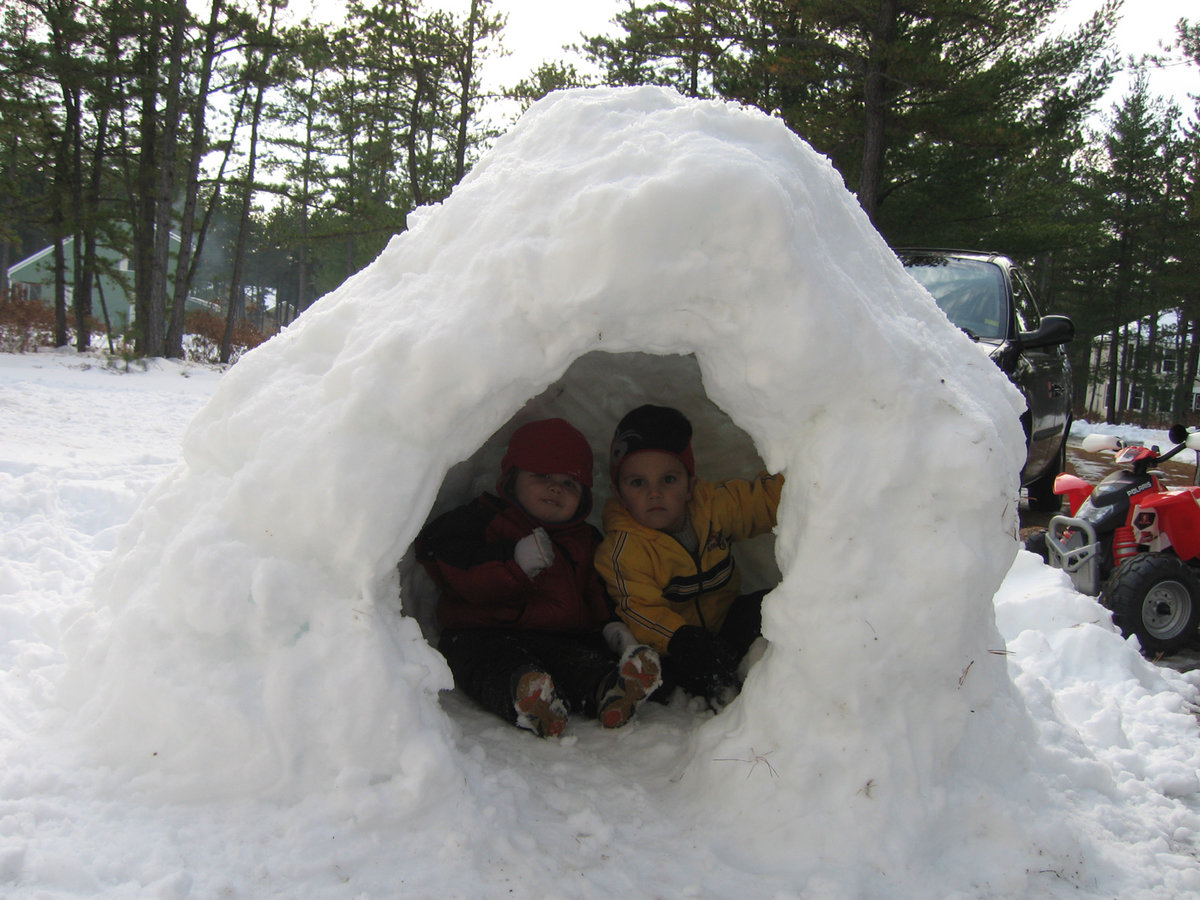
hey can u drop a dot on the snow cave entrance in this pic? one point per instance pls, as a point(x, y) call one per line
point(594, 392)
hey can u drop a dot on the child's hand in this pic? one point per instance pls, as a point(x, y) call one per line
point(618, 637)
point(534, 552)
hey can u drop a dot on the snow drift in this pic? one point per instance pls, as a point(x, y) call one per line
point(618, 246)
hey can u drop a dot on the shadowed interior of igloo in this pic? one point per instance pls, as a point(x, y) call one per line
point(595, 391)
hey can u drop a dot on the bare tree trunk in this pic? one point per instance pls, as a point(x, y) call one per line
point(1115, 369)
point(467, 74)
point(5, 256)
point(165, 177)
point(149, 281)
point(302, 275)
point(104, 309)
point(60, 289)
point(185, 266)
point(236, 298)
point(1093, 382)
point(83, 251)
point(236, 294)
point(420, 91)
point(68, 174)
point(875, 94)
point(1149, 376)
point(83, 300)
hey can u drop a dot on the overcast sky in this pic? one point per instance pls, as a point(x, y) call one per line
point(538, 29)
point(1144, 25)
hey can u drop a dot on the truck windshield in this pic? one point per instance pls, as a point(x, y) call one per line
point(969, 291)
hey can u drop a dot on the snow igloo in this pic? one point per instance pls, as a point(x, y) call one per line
point(262, 629)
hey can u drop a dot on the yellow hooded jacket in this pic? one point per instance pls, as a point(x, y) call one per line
point(657, 585)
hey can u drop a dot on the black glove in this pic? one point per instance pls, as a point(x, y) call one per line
point(706, 665)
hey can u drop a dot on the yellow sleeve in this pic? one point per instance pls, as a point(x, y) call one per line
point(744, 509)
point(628, 572)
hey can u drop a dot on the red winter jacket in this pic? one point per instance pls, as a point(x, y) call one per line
point(469, 554)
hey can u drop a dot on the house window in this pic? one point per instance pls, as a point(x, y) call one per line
point(123, 265)
point(1196, 401)
point(1137, 398)
point(1167, 367)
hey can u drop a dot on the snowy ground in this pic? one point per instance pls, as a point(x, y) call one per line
point(81, 445)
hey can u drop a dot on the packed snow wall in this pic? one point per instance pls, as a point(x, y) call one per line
point(255, 590)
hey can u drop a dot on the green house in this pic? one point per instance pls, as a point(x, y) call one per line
point(33, 279)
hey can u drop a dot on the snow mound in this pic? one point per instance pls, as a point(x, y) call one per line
point(617, 246)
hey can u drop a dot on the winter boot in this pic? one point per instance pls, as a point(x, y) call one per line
point(537, 706)
point(634, 679)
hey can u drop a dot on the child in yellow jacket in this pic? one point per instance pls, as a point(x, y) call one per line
point(667, 556)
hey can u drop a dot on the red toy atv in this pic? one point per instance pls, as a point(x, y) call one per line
point(1133, 542)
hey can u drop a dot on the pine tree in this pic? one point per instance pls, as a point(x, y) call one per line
point(1136, 202)
point(925, 106)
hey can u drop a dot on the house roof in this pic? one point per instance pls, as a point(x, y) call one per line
point(37, 257)
point(30, 260)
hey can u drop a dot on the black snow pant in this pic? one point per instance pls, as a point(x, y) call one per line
point(706, 667)
point(488, 662)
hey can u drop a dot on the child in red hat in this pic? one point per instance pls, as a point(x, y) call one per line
point(522, 611)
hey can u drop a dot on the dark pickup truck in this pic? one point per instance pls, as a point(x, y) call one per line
point(988, 297)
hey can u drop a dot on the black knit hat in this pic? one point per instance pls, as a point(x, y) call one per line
point(652, 428)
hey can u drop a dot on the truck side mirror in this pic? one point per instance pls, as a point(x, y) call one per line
point(1052, 331)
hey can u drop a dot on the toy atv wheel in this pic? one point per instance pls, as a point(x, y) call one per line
point(1157, 597)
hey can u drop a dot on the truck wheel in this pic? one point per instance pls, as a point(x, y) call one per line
point(1157, 597)
point(1041, 492)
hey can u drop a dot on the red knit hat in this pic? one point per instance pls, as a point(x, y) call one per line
point(549, 447)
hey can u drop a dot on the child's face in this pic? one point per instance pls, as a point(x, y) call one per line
point(549, 498)
point(655, 487)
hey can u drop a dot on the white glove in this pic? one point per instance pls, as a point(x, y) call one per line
point(618, 637)
point(534, 552)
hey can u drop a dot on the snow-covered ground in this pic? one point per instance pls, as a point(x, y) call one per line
point(208, 688)
point(81, 445)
